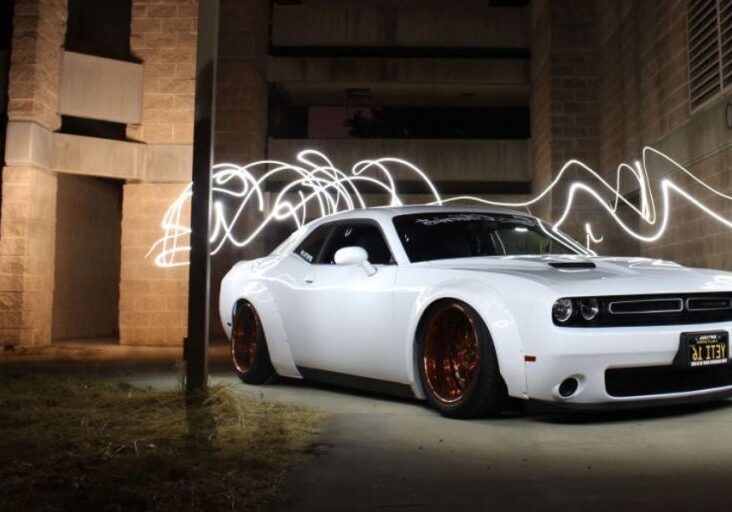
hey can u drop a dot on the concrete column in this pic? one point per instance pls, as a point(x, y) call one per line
point(27, 226)
point(153, 301)
point(241, 115)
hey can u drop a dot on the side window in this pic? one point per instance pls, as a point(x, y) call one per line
point(313, 243)
point(367, 236)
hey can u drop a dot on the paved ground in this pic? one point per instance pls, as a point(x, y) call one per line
point(381, 454)
point(378, 453)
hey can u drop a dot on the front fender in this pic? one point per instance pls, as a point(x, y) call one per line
point(497, 316)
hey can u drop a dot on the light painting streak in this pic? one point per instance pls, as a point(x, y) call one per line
point(313, 187)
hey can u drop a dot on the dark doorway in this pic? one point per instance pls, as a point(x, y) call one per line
point(88, 231)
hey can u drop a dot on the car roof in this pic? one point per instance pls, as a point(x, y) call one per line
point(388, 212)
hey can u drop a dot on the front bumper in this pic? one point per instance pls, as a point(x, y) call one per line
point(586, 354)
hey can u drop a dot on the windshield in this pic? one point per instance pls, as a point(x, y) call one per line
point(438, 236)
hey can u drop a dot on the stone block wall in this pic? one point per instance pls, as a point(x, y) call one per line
point(644, 84)
point(27, 243)
point(564, 101)
point(28, 217)
point(693, 238)
point(39, 27)
point(153, 301)
point(644, 100)
point(163, 36)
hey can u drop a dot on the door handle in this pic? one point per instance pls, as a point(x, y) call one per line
point(309, 279)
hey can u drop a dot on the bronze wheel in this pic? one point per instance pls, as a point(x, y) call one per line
point(244, 338)
point(457, 361)
point(249, 353)
point(451, 353)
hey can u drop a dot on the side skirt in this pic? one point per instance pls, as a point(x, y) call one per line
point(352, 381)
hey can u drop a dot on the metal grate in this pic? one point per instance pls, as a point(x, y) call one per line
point(705, 69)
point(725, 40)
point(659, 380)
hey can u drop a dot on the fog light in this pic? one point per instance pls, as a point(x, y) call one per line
point(568, 387)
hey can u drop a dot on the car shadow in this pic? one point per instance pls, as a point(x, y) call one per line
point(517, 409)
point(556, 415)
point(346, 390)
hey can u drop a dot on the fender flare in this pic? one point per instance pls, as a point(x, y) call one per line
point(259, 296)
point(498, 319)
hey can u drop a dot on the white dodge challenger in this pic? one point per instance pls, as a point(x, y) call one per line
point(465, 306)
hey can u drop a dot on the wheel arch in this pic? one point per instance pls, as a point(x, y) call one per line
point(498, 319)
point(238, 289)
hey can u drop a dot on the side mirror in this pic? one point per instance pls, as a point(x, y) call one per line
point(354, 256)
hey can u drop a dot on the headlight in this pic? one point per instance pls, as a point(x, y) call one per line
point(562, 310)
point(589, 308)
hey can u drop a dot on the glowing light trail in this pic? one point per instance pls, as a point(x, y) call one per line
point(314, 187)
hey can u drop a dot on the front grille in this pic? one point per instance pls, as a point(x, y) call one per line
point(708, 303)
point(659, 380)
point(645, 306)
point(678, 309)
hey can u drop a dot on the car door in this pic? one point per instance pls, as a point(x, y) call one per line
point(347, 323)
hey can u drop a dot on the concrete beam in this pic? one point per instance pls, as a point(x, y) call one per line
point(92, 156)
point(416, 71)
point(28, 144)
point(97, 88)
point(362, 25)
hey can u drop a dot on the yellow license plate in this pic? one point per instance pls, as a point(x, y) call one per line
point(707, 348)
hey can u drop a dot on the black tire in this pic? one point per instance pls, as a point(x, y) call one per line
point(452, 339)
point(249, 353)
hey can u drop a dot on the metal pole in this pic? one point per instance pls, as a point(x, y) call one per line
point(195, 351)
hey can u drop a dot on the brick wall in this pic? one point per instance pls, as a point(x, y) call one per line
point(241, 102)
point(643, 96)
point(153, 301)
point(564, 99)
point(27, 230)
point(27, 242)
point(541, 101)
point(644, 87)
point(163, 36)
point(39, 27)
point(241, 115)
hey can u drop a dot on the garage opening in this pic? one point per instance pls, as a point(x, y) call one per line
point(88, 231)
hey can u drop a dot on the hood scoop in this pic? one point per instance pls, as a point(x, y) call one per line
point(572, 265)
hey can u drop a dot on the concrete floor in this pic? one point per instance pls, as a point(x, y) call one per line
point(381, 453)
point(378, 453)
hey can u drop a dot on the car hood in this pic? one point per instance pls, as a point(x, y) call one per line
point(598, 275)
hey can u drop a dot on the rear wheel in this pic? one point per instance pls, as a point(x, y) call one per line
point(457, 362)
point(249, 353)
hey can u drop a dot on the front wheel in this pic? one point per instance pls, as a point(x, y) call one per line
point(249, 353)
point(457, 362)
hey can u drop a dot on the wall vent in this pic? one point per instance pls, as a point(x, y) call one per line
point(705, 63)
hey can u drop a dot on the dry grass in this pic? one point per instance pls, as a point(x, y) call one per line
point(69, 444)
